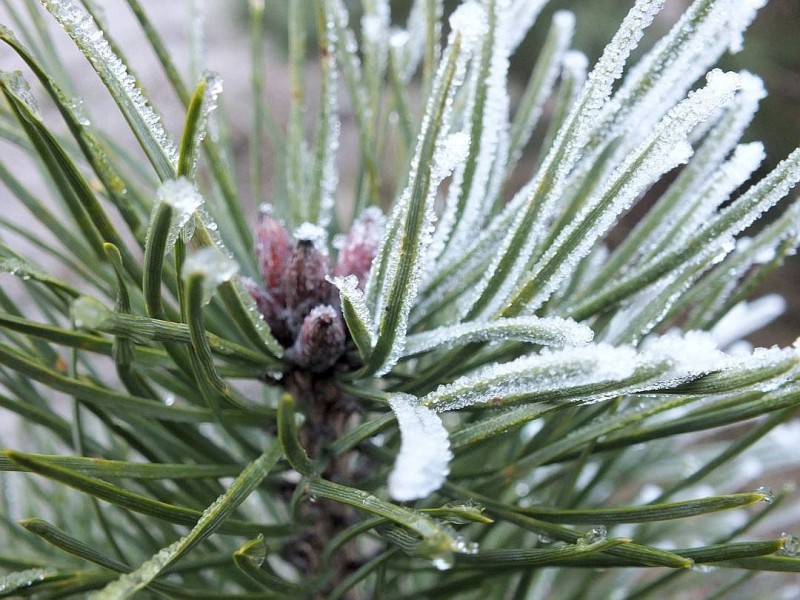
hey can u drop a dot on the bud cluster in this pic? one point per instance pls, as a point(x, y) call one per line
point(296, 299)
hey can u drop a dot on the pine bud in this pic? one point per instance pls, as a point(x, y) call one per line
point(274, 314)
point(321, 340)
point(361, 245)
point(273, 250)
point(304, 279)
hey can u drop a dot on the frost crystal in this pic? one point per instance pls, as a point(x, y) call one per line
point(308, 232)
point(690, 355)
point(213, 89)
point(423, 462)
point(184, 199)
point(20, 87)
point(469, 21)
point(536, 377)
point(452, 151)
point(548, 331)
point(213, 265)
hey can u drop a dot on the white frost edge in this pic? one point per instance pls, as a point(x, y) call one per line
point(423, 462)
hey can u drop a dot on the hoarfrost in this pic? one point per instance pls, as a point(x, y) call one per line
point(213, 265)
point(81, 27)
point(740, 19)
point(690, 355)
point(664, 75)
point(129, 583)
point(505, 271)
point(530, 376)
point(184, 199)
point(423, 461)
point(213, 89)
point(575, 62)
point(352, 295)
point(487, 113)
point(20, 87)
point(331, 128)
point(452, 151)
point(309, 232)
point(655, 156)
point(470, 22)
point(540, 86)
point(549, 331)
point(717, 189)
point(395, 286)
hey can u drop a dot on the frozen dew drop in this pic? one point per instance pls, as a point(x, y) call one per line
point(522, 489)
point(88, 313)
point(791, 546)
point(697, 568)
point(78, 108)
point(215, 267)
point(185, 200)
point(544, 539)
point(594, 535)
point(769, 496)
point(22, 579)
point(443, 561)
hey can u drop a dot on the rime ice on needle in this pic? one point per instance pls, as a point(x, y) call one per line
point(547, 331)
point(78, 23)
point(505, 271)
point(451, 151)
point(469, 21)
point(423, 462)
point(393, 284)
point(530, 376)
point(20, 87)
point(665, 148)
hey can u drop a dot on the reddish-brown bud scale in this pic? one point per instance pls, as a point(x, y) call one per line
point(304, 282)
point(273, 312)
point(361, 245)
point(321, 340)
point(273, 250)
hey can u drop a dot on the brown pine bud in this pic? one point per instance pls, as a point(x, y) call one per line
point(273, 312)
point(361, 245)
point(321, 340)
point(304, 279)
point(273, 250)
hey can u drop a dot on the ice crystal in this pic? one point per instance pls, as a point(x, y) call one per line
point(213, 265)
point(184, 199)
point(20, 87)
